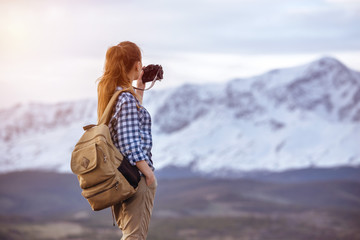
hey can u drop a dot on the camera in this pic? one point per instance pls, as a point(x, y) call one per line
point(152, 72)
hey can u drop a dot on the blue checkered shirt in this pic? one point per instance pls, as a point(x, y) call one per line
point(130, 129)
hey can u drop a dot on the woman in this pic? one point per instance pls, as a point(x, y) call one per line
point(130, 128)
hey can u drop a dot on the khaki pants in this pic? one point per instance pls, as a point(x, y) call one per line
point(133, 215)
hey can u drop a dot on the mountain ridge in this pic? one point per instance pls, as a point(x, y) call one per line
point(283, 119)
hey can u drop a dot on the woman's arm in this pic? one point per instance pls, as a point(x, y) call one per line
point(142, 165)
point(128, 134)
point(140, 85)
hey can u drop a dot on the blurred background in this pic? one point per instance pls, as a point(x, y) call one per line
point(255, 124)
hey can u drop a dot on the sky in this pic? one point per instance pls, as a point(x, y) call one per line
point(52, 51)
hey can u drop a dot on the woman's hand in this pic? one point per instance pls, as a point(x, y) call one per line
point(150, 179)
point(146, 170)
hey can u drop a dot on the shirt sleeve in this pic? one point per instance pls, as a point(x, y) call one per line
point(129, 132)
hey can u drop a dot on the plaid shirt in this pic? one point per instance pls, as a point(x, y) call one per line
point(130, 129)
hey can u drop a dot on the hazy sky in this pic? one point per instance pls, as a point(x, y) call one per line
point(54, 50)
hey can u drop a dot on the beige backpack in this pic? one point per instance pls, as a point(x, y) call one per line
point(97, 163)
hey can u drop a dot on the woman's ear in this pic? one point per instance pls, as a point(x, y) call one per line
point(138, 66)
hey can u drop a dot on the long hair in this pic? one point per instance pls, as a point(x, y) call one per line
point(119, 61)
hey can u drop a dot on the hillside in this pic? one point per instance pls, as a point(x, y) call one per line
point(45, 205)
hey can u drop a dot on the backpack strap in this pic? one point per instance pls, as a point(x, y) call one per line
point(105, 118)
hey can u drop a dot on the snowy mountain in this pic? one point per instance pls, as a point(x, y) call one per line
point(296, 117)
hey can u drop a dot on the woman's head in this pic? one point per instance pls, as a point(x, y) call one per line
point(122, 63)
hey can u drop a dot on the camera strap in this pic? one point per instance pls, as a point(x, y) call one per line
point(152, 82)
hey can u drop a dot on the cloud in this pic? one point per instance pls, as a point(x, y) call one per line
point(62, 44)
point(61, 28)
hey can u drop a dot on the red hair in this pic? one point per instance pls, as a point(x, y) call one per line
point(119, 61)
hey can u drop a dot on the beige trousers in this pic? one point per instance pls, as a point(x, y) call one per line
point(133, 215)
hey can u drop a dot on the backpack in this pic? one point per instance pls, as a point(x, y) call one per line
point(105, 176)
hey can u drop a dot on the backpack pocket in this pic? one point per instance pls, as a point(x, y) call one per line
point(92, 165)
point(108, 193)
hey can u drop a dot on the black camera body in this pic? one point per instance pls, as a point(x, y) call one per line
point(152, 72)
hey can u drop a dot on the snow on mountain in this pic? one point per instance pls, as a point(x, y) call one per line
point(296, 117)
point(40, 136)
